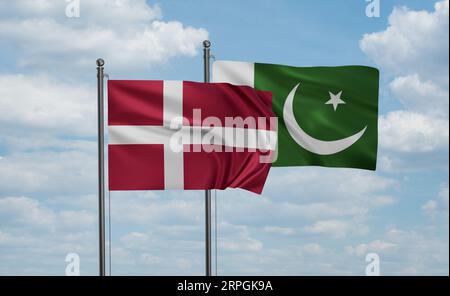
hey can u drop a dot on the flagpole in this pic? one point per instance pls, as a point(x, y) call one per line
point(208, 261)
point(101, 165)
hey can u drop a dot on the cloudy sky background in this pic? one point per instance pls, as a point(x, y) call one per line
point(309, 221)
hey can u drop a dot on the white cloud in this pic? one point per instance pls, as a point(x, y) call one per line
point(238, 245)
point(413, 51)
point(336, 228)
point(313, 249)
point(38, 236)
point(406, 131)
point(135, 239)
point(115, 11)
point(414, 42)
point(157, 252)
point(439, 205)
point(418, 252)
point(348, 184)
point(150, 207)
point(44, 37)
point(35, 238)
point(33, 103)
point(77, 219)
point(377, 246)
point(279, 230)
point(380, 201)
point(330, 204)
point(150, 259)
point(24, 211)
point(42, 124)
point(53, 172)
point(31, 213)
point(420, 96)
point(429, 206)
point(308, 203)
point(237, 238)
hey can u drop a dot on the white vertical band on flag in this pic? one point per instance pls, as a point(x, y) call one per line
point(173, 109)
point(237, 73)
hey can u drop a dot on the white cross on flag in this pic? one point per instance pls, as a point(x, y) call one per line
point(188, 135)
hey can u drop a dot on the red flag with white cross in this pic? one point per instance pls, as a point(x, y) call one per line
point(188, 135)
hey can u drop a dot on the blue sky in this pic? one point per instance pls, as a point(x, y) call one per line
point(308, 221)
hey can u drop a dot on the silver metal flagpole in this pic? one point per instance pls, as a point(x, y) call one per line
point(101, 166)
point(208, 261)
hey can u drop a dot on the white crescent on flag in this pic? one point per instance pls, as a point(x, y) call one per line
point(306, 141)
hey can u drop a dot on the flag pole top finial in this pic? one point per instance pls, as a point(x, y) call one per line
point(100, 62)
point(206, 44)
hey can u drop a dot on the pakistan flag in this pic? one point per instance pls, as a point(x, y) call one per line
point(327, 116)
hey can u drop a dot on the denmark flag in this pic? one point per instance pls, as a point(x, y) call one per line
point(188, 135)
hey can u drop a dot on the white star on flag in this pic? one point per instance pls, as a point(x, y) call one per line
point(335, 100)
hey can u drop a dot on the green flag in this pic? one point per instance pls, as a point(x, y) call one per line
point(327, 116)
